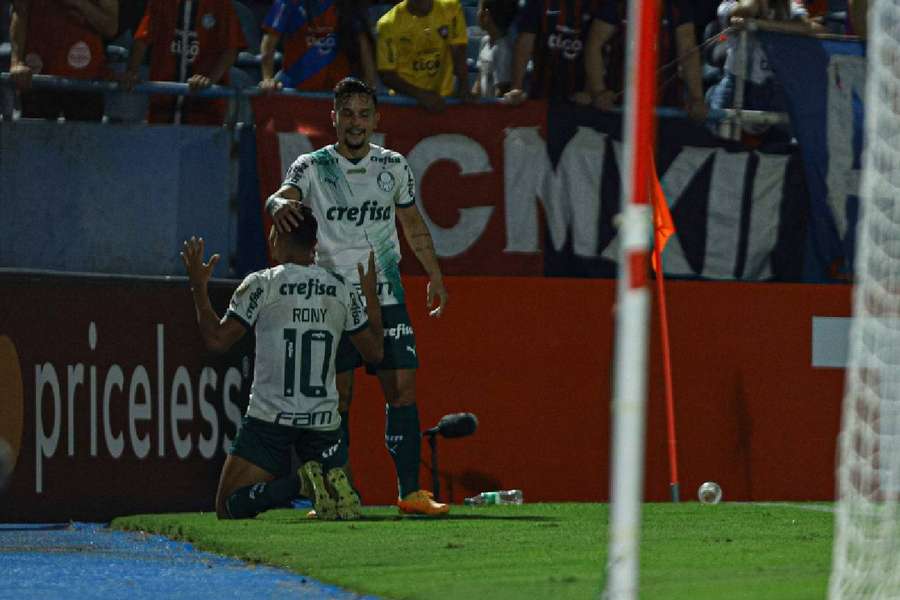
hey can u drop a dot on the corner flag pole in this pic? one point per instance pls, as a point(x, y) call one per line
point(632, 300)
point(667, 375)
point(663, 229)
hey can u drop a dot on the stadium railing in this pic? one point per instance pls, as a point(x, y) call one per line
point(238, 94)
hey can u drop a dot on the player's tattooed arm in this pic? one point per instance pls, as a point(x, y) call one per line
point(419, 239)
point(284, 208)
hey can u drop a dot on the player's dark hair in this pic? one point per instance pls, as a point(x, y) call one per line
point(304, 235)
point(351, 86)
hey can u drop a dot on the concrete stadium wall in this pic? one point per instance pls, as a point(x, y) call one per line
point(101, 198)
point(113, 407)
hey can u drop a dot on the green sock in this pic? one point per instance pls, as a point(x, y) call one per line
point(249, 501)
point(345, 440)
point(404, 441)
point(345, 428)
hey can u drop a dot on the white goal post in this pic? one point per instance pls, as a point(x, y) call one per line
point(866, 557)
point(633, 306)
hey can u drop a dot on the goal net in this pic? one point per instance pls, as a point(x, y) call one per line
point(866, 558)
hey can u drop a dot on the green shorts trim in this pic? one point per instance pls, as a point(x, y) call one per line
point(268, 446)
point(399, 344)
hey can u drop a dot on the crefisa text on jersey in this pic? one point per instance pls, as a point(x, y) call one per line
point(385, 160)
point(307, 289)
point(358, 215)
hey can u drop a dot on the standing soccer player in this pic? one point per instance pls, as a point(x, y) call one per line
point(300, 311)
point(355, 188)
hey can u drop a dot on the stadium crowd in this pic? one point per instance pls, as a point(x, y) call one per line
point(428, 50)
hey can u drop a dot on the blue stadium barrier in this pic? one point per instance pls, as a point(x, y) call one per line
point(113, 199)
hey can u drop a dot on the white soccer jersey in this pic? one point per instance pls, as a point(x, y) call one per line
point(300, 313)
point(354, 204)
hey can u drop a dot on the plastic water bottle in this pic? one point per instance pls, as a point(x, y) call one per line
point(498, 497)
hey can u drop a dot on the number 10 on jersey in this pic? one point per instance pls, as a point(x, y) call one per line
point(314, 343)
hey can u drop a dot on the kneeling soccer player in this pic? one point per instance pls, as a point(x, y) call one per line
point(300, 311)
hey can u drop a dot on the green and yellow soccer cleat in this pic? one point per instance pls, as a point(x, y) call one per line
point(312, 485)
point(346, 498)
point(421, 502)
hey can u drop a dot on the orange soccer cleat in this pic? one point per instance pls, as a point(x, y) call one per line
point(421, 502)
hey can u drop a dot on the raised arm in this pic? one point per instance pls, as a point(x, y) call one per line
point(18, 34)
point(458, 42)
point(689, 63)
point(139, 46)
point(284, 208)
point(370, 341)
point(521, 55)
point(595, 68)
point(419, 239)
point(367, 60)
point(135, 60)
point(461, 70)
point(218, 335)
point(267, 61)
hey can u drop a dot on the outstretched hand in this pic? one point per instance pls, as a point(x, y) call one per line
point(198, 82)
point(288, 216)
point(198, 271)
point(368, 279)
point(270, 85)
point(436, 289)
point(21, 75)
point(514, 97)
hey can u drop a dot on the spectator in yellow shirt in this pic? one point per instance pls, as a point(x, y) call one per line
point(421, 46)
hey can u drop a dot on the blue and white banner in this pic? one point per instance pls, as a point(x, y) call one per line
point(739, 213)
point(824, 82)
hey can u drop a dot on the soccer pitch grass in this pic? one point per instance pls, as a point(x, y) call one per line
point(688, 550)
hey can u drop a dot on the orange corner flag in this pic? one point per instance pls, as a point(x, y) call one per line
point(663, 226)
